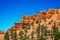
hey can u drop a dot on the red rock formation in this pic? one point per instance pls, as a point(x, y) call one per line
point(42, 15)
point(18, 25)
point(1, 32)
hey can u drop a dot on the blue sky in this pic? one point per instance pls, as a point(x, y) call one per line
point(11, 11)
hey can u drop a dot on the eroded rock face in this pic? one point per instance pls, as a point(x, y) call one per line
point(1, 35)
point(44, 17)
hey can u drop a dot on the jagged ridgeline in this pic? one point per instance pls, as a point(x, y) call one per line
point(42, 26)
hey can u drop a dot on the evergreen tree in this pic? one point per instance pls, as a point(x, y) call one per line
point(55, 32)
point(44, 31)
point(6, 36)
point(21, 35)
point(42, 28)
point(32, 35)
point(42, 38)
point(14, 35)
point(38, 31)
point(23, 25)
point(25, 37)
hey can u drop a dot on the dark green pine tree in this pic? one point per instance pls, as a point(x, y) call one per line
point(55, 32)
point(14, 35)
point(42, 38)
point(38, 31)
point(6, 36)
point(25, 37)
point(21, 35)
point(44, 32)
point(11, 34)
point(23, 25)
point(42, 28)
point(32, 35)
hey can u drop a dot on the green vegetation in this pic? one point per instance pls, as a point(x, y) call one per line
point(41, 32)
point(6, 36)
point(32, 35)
point(13, 35)
point(55, 32)
point(21, 35)
point(38, 31)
